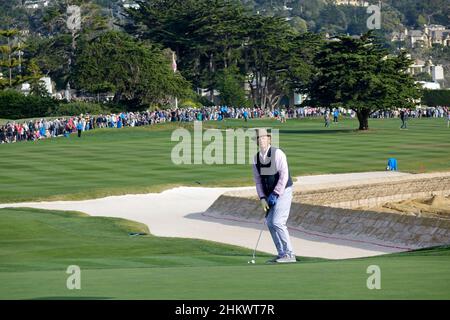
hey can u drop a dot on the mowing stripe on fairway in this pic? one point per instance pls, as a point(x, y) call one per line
point(37, 246)
point(133, 160)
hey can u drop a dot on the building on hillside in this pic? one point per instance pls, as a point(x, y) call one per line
point(398, 36)
point(439, 36)
point(437, 73)
point(36, 4)
point(25, 88)
point(417, 38)
point(418, 66)
point(215, 98)
point(355, 3)
point(429, 85)
point(46, 81)
point(425, 38)
point(127, 4)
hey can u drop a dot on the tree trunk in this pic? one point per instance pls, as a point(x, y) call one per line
point(274, 100)
point(117, 97)
point(252, 89)
point(363, 118)
point(10, 63)
point(211, 70)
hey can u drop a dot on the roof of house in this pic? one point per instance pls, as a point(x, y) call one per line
point(416, 33)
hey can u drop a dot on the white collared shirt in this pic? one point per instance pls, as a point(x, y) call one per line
point(263, 156)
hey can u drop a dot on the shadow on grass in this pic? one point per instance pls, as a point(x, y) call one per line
point(301, 234)
point(251, 225)
point(318, 131)
point(72, 298)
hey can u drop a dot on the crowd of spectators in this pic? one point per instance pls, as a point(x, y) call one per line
point(438, 112)
point(31, 130)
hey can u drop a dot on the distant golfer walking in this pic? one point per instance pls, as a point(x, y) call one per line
point(327, 119)
point(274, 188)
point(404, 118)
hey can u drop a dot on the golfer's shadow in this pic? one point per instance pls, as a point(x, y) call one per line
point(317, 131)
point(293, 232)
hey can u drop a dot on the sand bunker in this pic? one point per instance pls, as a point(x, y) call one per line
point(436, 207)
point(179, 212)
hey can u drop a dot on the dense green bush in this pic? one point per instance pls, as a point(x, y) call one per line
point(189, 103)
point(76, 108)
point(229, 84)
point(15, 105)
point(433, 98)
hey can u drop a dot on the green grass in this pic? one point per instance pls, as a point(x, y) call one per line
point(37, 246)
point(137, 160)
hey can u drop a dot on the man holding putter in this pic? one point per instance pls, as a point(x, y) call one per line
point(274, 188)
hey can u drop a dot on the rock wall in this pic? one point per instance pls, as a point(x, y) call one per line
point(377, 193)
point(329, 211)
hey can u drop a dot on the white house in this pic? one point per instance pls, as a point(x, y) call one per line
point(25, 88)
point(428, 36)
point(127, 4)
point(355, 3)
point(437, 73)
point(47, 82)
point(429, 85)
point(36, 4)
point(418, 66)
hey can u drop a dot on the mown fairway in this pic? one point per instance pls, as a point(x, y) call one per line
point(37, 246)
point(137, 160)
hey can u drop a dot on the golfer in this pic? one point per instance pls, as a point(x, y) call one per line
point(274, 188)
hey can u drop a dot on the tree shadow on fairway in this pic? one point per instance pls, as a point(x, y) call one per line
point(317, 131)
point(72, 298)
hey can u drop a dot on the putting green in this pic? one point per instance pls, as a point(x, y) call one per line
point(138, 160)
point(37, 246)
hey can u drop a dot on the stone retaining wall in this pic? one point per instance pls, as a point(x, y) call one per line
point(377, 193)
point(329, 212)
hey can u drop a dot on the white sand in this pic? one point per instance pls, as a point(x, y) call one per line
point(178, 213)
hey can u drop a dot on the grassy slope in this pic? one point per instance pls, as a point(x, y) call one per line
point(137, 160)
point(36, 246)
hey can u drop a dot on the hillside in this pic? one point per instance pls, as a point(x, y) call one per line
point(311, 15)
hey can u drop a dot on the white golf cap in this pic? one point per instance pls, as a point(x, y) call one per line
point(262, 132)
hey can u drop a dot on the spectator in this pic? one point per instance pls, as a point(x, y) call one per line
point(327, 119)
point(79, 127)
